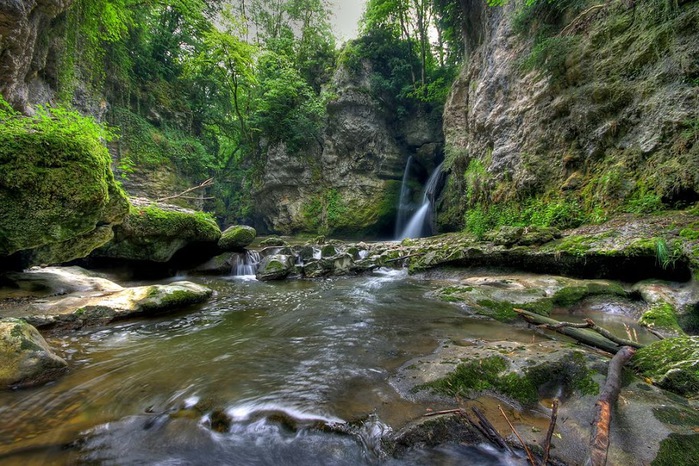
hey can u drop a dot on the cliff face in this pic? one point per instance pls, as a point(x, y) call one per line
point(349, 182)
point(28, 50)
point(603, 114)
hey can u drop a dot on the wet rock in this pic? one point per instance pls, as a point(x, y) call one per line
point(496, 295)
point(275, 267)
point(52, 281)
point(25, 357)
point(672, 364)
point(273, 241)
point(342, 264)
point(674, 307)
point(236, 238)
point(78, 310)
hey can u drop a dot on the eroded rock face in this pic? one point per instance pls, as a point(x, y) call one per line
point(25, 49)
point(349, 182)
point(25, 357)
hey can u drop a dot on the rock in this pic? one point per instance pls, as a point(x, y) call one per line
point(221, 264)
point(155, 234)
point(328, 251)
point(58, 211)
point(673, 306)
point(661, 317)
point(25, 357)
point(275, 267)
point(53, 281)
point(273, 241)
point(236, 238)
point(99, 308)
point(672, 364)
point(496, 295)
point(342, 264)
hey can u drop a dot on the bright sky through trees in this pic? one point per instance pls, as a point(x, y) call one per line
point(346, 14)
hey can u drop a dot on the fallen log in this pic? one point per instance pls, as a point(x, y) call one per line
point(579, 332)
point(599, 440)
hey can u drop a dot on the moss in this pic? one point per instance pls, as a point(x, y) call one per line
point(661, 315)
point(676, 416)
point(678, 450)
point(154, 234)
point(671, 364)
point(236, 237)
point(56, 183)
point(570, 295)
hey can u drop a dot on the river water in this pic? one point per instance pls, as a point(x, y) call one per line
point(279, 359)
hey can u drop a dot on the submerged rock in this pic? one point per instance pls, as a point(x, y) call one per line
point(236, 238)
point(25, 357)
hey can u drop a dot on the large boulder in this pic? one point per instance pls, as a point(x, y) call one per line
point(155, 234)
point(275, 267)
point(236, 238)
point(25, 357)
point(58, 197)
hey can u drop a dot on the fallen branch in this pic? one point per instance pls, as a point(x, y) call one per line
point(609, 335)
point(599, 440)
point(549, 434)
point(447, 411)
point(488, 430)
point(524, 445)
point(202, 185)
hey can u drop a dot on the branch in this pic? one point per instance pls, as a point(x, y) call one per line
point(204, 184)
point(549, 434)
point(599, 440)
point(514, 431)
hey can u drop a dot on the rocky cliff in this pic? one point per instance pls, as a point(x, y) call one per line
point(348, 183)
point(573, 108)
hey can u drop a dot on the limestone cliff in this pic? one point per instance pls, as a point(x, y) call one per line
point(593, 110)
point(349, 182)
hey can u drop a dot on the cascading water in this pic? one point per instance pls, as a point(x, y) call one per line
point(420, 223)
point(245, 265)
point(404, 205)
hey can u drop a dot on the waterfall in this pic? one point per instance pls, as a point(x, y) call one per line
point(421, 222)
point(404, 205)
point(245, 265)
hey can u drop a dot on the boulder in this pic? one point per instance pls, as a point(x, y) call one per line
point(75, 311)
point(236, 238)
point(25, 357)
point(155, 234)
point(275, 267)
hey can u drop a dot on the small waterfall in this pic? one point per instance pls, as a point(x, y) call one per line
point(420, 223)
point(404, 205)
point(245, 265)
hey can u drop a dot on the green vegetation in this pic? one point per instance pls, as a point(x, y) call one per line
point(661, 316)
point(671, 364)
point(57, 184)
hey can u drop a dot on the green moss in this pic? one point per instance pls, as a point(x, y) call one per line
point(678, 450)
point(56, 182)
point(570, 295)
point(236, 237)
point(671, 364)
point(691, 232)
point(661, 315)
point(676, 416)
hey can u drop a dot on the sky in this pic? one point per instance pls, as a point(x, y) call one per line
point(346, 14)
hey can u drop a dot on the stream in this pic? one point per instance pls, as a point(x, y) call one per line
point(279, 358)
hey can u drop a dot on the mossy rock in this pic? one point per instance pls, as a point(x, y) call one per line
point(662, 318)
point(672, 364)
point(25, 357)
point(236, 238)
point(154, 234)
point(56, 188)
point(275, 267)
point(273, 241)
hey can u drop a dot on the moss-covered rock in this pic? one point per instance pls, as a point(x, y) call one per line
point(672, 364)
point(56, 187)
point(155, 234)
point(662, 318)
point(25, 357)
point(236, 238)
point(275, 267)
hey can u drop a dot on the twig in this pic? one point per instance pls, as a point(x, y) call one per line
point(203, 184)
point(655, 332)
point(549, 434)
point(489, 430)
point(599, 439)
point(524, 445)
point(609, 335)
point(448, 411)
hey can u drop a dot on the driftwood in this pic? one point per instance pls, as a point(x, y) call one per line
point(549, 434)
point(487, 429)
point(580, 332)
point(599, 440)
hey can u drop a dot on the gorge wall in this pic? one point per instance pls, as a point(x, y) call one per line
point(348, 183)
point(590, 109)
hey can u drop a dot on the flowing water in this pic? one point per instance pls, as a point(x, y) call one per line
point(420, 224)
point(284, 361)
